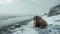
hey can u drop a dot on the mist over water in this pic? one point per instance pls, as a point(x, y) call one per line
point(24, 7)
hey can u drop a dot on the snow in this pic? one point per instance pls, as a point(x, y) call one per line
point(26, 29)
point(52, 27)
point(53, 20)
point(29, 29)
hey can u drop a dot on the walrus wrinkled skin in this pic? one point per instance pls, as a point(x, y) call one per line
point(39, 22)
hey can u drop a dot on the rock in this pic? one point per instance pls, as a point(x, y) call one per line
point(55, 10)
point(17, 25)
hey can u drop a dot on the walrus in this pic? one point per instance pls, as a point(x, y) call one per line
point(39, 22)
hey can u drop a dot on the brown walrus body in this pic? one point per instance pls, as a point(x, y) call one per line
point(39, 22)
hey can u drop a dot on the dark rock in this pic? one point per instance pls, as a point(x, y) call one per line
point(17, 25)
point(54, 10)
point(49, 30)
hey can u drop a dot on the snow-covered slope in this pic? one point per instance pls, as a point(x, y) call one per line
point(26, 29)
point(52, 20)
point(52, 28)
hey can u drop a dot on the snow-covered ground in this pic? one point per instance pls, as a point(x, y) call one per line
point(52, 28)
point(26, 29)
point(53, 19)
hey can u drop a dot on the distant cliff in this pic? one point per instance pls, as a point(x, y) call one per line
point(54, 10)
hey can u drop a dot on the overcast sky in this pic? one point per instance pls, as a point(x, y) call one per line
point(25, 7)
